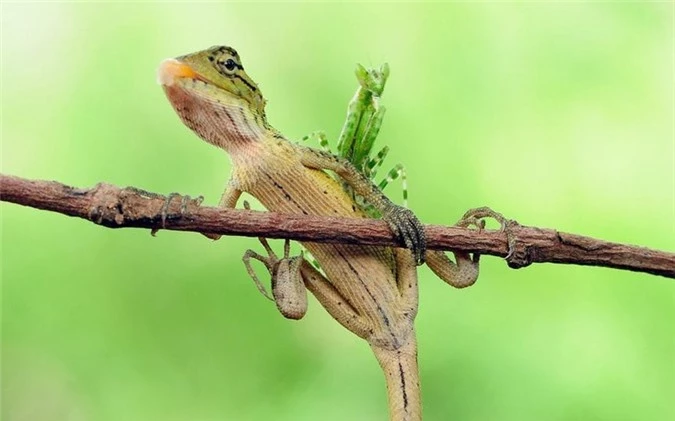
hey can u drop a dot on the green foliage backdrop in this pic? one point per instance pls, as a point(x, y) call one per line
point(556, 114)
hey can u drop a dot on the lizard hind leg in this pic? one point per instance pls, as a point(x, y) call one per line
point(476, 217)
point(464, 271)
point(460, 274)
point(336, 305)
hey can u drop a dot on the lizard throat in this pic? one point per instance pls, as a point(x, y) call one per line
point(225, 123)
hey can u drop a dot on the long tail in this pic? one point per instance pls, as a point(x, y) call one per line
point(402, 377)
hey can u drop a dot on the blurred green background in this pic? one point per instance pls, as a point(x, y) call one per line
point(558, 115)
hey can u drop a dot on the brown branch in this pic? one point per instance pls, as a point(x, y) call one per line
point(116, 207)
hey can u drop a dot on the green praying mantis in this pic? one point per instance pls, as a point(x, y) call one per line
point(359, 132)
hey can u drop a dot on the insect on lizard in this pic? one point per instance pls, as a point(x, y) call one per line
point(358, 134)
point(371, 291)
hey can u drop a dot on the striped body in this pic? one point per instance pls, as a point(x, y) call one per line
point(364, 275)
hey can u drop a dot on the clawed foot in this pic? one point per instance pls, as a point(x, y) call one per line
point(183, 210)
point(409, 230)
point(476, 217)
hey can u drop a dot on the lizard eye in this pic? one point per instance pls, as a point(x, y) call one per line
point(228, 66)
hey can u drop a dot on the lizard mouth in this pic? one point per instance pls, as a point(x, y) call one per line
point(171, 70)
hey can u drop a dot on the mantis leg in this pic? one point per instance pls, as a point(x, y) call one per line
point(375, 163)
point(393, 174)
point(402, 221)
point(346, 140)
point(369, 128)
point(320, 137)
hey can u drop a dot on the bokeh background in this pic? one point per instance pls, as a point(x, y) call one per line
point(559, 115)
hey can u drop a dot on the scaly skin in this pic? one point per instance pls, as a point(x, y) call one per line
point(372, 291)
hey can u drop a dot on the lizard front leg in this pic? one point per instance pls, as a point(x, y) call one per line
point(288, 290)
point(228, 200)
point(290, 277)
point(402, 221)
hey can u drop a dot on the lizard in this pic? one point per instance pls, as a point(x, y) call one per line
point(371, 291)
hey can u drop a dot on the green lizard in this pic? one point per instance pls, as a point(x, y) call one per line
point(371, 291)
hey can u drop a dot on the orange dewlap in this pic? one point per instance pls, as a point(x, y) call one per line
point(172, 69)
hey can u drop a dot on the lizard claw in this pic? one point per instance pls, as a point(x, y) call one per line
point(408, 229)
point(476, 217)
point(164, 213)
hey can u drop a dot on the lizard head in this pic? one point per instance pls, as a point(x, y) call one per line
point(214, 96)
